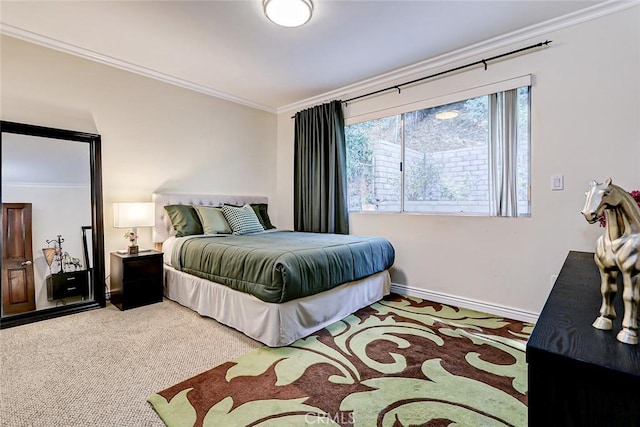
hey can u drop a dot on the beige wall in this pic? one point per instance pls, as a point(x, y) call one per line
point(155, 136)
point(585, 125)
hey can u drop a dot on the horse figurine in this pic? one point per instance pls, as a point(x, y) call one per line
point(617, 251)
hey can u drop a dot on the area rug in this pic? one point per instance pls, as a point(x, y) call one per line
point(399, 362)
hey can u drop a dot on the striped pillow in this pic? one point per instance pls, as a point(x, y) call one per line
point(242, 220)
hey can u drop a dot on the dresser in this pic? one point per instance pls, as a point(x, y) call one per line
point(579, 375)
point(136, 280)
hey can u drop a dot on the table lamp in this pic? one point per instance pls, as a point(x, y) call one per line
point(132, 215)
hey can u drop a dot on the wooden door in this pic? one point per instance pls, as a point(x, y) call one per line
point(18, 290)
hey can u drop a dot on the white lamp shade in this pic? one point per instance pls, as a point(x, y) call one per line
point(130, 215)
point(288, 13)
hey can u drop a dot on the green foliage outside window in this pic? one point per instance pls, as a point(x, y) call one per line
point(359, 166)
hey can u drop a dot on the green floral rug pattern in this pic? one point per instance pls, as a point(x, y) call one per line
point(399, 362)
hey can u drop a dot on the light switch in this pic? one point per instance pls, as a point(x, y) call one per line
point(557, 182)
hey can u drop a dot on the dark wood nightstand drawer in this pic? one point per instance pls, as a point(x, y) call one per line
point(135, 269)
point(142, 292)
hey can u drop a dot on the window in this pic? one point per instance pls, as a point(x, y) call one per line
point(470, 156)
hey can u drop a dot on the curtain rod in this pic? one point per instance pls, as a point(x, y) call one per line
point(451, 70)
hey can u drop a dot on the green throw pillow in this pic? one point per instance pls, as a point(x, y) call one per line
point(261, 210)
point(213, 220)
point(184, 219)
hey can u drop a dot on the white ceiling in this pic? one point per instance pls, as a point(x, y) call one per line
point(231, 49)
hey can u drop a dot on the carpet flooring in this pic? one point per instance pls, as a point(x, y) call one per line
point(96, 369)
point(400, 362)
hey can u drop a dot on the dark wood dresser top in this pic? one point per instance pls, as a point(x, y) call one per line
point(564, 326)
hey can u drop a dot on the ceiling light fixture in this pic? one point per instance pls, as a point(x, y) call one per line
point(446, 115)
point(288, 13)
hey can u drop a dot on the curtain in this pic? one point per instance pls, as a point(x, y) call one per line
point(320, 170)
point(503, 139)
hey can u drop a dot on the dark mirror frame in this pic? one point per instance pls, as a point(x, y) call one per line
point(97, 236)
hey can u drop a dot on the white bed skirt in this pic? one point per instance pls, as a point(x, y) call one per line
point(275, 325)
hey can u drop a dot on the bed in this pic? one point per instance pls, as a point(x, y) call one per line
point(273, 285)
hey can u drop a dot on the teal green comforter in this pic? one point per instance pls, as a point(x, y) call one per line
point(284, 265)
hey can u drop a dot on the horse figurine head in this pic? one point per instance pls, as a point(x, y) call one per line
point(617, 253)
point(598, 198)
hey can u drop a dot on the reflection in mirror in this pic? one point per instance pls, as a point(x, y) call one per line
point(87, 246)
point(52, 176)
point(48, 198)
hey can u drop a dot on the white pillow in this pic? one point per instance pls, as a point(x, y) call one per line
point(242, 220)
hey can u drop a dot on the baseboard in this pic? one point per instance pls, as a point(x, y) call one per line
point(456, 301)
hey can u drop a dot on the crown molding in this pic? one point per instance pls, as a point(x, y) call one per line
point(28, 36)
point(541, 29)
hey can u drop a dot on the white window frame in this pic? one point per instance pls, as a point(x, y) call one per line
point(475, 92)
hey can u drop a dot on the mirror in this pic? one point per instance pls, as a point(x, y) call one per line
point(52, 236)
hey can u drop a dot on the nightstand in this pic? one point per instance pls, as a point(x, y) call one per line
point(136, 280)
point(66, 285)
